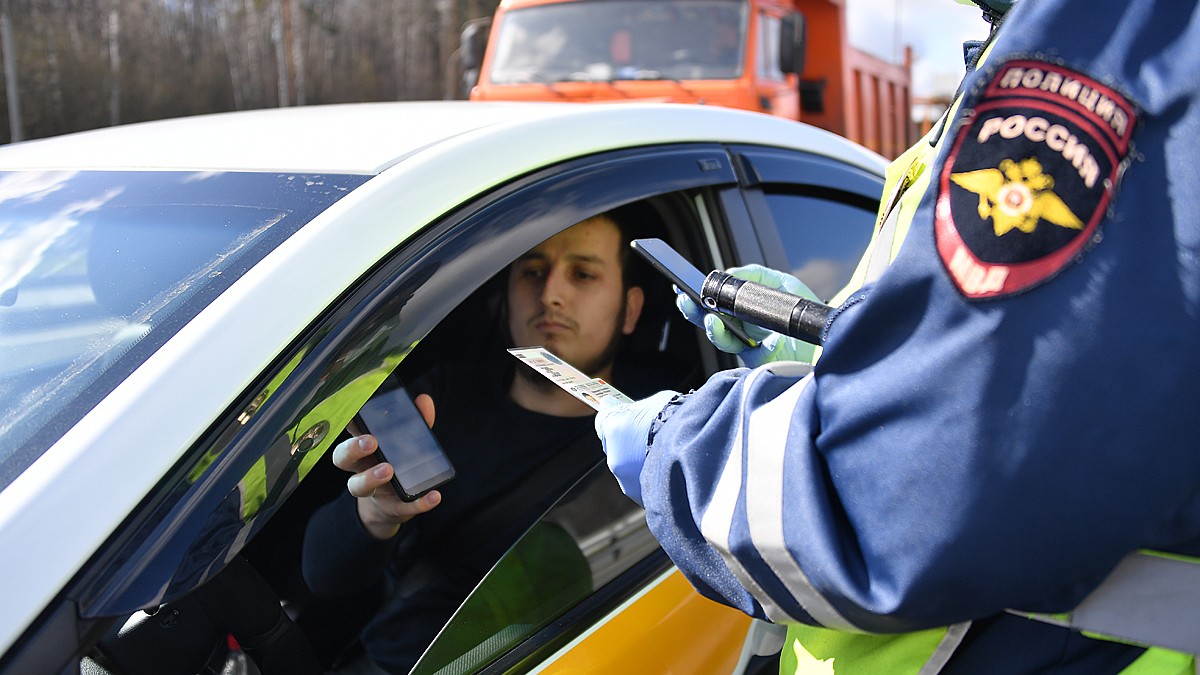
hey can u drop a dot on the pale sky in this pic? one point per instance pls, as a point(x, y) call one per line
point(935, 29)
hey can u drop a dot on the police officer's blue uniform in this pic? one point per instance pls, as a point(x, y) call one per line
point(1008, 411)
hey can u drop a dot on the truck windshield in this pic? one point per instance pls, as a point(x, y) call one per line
point(98, 269)
point(621, 40)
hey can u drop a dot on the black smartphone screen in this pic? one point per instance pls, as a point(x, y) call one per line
point(672, 265)
point(405, 442)
point(686, 277)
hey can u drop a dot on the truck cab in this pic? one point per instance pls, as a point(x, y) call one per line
point(789, 58)
point(745, 54)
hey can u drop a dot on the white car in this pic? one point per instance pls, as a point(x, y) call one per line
point(192, 310)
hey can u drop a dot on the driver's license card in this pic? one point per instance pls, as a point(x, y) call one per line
point(591, 390)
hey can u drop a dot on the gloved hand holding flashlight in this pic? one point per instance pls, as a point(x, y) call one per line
point(772, 345)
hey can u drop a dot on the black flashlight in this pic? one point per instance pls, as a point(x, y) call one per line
point(764, 306)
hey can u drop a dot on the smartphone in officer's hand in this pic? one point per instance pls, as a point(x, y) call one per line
point(686, 278)
point(418, 462)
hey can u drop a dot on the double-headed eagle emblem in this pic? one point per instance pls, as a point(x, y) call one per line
point(1016, 196)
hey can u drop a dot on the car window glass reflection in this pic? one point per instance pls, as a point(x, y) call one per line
point(99, 267)
point(593, 534)
point(823, 239)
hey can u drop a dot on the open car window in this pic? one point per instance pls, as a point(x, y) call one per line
point(816, 217)
point(588, 541)
point(506, 479)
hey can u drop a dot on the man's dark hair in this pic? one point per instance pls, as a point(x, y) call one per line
point(634, 221)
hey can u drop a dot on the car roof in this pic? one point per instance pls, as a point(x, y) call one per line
point(367, 138)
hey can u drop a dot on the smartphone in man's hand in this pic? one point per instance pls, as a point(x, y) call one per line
point(405, 441)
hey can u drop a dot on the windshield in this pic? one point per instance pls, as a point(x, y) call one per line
point(99, 269)
point(621, 40)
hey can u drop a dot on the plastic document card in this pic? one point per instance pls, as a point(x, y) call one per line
point(591, 390)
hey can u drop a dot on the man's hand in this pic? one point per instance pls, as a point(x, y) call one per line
point(771, 345)
point(381, 511)
point(623, 432)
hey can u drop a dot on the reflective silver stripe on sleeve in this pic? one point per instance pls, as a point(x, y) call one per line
point(1147, 599)
point(718, 520)
point(771, 421)
point(766, 447)
point(946, 648)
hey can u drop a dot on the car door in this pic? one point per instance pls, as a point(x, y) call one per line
point(809, 214)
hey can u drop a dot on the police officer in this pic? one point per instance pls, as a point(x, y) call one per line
point(999, 416)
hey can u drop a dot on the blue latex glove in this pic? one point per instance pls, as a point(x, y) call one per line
point(772, 346)
point(623, 432)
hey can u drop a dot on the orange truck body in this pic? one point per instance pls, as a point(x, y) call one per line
point(783, 57)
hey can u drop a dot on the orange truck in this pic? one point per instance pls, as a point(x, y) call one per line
point(784, 57)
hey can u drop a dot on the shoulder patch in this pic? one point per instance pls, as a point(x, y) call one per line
point(1029, 177)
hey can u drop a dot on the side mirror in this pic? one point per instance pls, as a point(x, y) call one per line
point(793, 43)
point(473, 43)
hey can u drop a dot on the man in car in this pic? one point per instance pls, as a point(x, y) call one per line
point(498, 423)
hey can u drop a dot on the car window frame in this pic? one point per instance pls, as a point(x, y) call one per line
point(706, 246)
point(725, 236)
point(491, 227)
point(763, 170)
point(743, 230)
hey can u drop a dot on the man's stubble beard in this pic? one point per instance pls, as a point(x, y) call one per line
point(601, 361)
